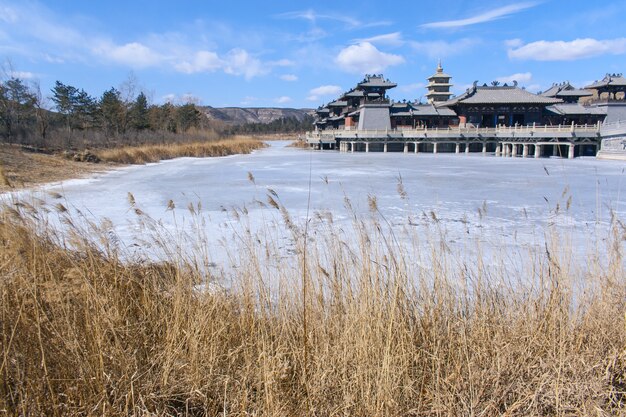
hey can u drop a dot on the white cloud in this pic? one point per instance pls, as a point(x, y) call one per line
point(568, 50)
point(169, 98)
point(481, 18)
point(312, 16)
point(8, 15)
point(442, 49)
point(203, 61)
point(240, 62)
point(283, 100)
point(282, 63)
point(520, 77)
point(186, 98)
point(23, 75)
point(289, 77)
point(324, 90)
point(133, 54)
point(514, 43)
point(534, 88)
point(33, 30)
point(392, 39)
point(366, 58)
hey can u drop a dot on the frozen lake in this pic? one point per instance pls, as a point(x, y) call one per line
point(503, 204)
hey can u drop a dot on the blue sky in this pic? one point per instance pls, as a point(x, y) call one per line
point(302, 53)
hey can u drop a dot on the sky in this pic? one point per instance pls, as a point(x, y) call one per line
point(302, 54)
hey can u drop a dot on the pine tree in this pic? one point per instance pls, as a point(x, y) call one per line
point(139, 113)
point(112, 112)
point(16, 107)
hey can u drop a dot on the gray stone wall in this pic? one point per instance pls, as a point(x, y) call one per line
point(613, 148)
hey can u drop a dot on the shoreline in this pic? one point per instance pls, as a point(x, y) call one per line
point(21, 169)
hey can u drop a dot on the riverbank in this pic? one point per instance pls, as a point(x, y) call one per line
point(23, 167)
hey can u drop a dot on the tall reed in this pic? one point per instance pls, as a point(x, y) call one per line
point(88, 331)
point(157, 152)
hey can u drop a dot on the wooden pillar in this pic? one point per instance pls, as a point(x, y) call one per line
point(351, 146)
point(514, 150)
point(416, 149)
point(484, 148)
point(406, 147)
point(457, 148)
point(367, 146)
point(435, 147)
point(385, 147)
point(570, 153)
point(537, 150)
point(467, 145)
point(498, 149)
point(525, 150)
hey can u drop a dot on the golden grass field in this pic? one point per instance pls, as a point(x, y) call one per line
point(155, 153)
point(352, 327)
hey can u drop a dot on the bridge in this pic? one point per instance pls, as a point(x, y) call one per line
point(531, 140)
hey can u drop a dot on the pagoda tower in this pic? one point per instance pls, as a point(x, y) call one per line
point(439, 86)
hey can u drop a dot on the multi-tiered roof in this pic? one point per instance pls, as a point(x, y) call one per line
point(610, 84)
point(439, 86)
point(566, 92)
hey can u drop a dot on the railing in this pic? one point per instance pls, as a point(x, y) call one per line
point(614, 128)
point(529, 130)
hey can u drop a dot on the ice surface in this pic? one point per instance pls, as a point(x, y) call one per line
point(505, 204)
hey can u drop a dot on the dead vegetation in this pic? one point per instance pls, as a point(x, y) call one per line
point(359, 329)
point(154, 153)
point(21, 167)
point(24, 167)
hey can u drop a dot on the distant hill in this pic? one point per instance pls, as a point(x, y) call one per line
point(243, 115)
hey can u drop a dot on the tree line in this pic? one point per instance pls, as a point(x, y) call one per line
point(70, 116)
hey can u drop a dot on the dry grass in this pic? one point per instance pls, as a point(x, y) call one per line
point(20, 168)
point(154, 153)
point(85, 334)
point(299, 143)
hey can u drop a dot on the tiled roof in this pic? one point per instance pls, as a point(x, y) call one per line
point(338, 103)
point(565, 90)
point(609, 80)
point(354, 93)
point(376, 81)
point(574, 93)
point(500, 95)
point(432, 110)
point(575, 109)
point(439, 75)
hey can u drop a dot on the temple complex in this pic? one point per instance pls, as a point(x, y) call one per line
point(495, 105)
point(505, 120)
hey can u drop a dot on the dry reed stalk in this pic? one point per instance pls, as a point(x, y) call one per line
point(154, 153)
point(4, 180)
point(84, 333)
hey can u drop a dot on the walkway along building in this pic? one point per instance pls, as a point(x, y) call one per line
point(505, 120)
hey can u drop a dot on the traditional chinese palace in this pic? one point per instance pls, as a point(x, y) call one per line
point(506, 120)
